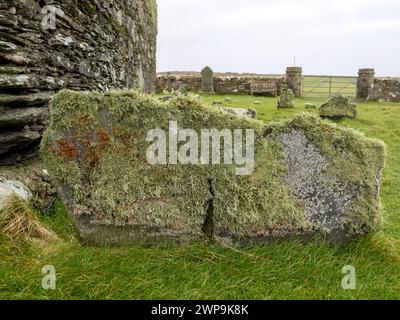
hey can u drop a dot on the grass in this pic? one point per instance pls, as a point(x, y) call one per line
point(200, 271)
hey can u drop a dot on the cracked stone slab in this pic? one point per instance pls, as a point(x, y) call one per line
point(311, 177)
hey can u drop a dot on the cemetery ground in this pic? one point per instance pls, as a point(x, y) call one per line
point(286, 270)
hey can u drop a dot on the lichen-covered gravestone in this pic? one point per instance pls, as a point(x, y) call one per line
point(207, 80)
point(338, 107)
point(309, 176)
point(286, 99)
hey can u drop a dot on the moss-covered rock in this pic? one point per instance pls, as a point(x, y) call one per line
point(286, 99)
point(310, 176)
point(338, 107)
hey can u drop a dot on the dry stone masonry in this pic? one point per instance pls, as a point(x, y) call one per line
point(81, 45)
point(224, 83)
point(385, 90)
point(310, 176)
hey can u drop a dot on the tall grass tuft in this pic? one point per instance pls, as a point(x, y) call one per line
point(19, 223)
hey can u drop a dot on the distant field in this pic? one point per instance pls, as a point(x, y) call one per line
point(325, 86)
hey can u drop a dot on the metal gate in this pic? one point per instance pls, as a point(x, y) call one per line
point(327, 86)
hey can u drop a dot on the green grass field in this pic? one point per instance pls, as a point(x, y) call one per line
point(201, 271)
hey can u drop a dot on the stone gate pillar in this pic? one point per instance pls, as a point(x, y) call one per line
point(294, 78)
point(365, 82)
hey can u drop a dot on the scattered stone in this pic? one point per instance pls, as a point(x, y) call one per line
point(321, 191)
point(207, 80)
point(36, 179)
point(310, 106)
point(9, 187)
point(241, 112)
point(286, 99)
point(217, 103)
point(338, 107)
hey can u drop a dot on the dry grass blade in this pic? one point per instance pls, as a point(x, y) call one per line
point(18, 222)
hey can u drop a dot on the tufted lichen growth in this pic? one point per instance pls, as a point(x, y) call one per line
point(95, 150)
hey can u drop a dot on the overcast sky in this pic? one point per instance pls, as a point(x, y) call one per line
point(327, 37)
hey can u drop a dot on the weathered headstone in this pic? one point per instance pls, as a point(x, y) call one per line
point(207, 80)
point(301, 184)
point(286, 99)
point(338, 107)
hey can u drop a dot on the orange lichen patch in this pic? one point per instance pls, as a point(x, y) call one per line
point(130, 137)
point(94, 145)
point(66, 149)
point(126, 138)
point(103, 137)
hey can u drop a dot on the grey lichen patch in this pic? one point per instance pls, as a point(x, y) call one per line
point(310, 176)
point(354, 161)
point(325, 202)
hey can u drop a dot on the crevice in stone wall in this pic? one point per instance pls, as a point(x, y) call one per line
point(209, 223)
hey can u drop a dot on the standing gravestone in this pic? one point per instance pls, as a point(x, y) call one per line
point(207, 80)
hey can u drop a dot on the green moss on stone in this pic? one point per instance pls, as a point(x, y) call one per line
point(95, 149)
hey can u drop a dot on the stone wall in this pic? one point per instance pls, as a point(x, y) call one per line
point(49, 45)
point(385, 89)
point(224, 83)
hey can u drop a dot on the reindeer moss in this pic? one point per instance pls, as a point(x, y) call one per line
point(95, 149)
